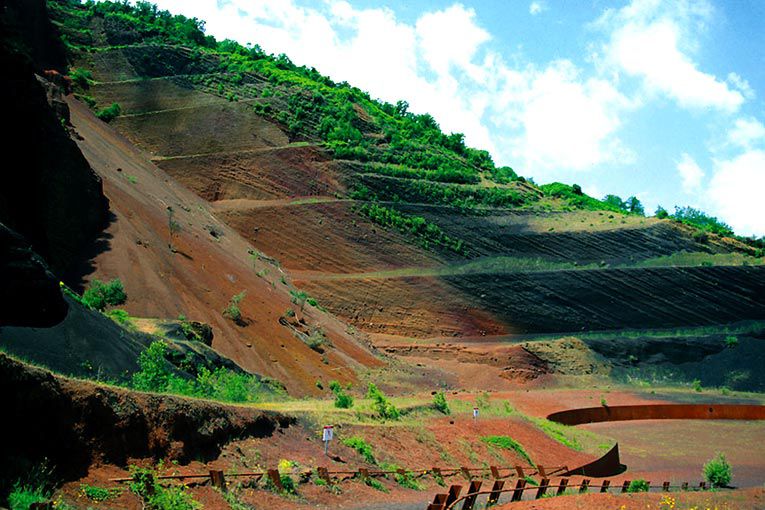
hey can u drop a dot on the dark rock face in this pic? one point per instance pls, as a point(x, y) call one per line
point(27, 23)
point(49, 193)
point(29, 294)
point(201, 332)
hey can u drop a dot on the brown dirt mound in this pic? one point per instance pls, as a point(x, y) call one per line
point(74, 423)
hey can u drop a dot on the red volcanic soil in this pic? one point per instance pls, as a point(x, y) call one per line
point(406, 306)
point(257, 174)
point(210, 263)
point(749, 499)
point(324, 237)
point(679, 448)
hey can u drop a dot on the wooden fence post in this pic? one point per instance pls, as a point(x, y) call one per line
point(625, 485)
point(495, 492)
point(454, 493)
point(605, 485)
point(542, 487)
point(273, 475)
point(439, 502)
point(520, 485)
point(472, 495)
point(217, 479)
point(562, 486)
point(584, 486)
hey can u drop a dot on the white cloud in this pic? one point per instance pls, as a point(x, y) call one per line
point(654, 41)
point(690, 173)
point(538, 117)
point(536, 7)
point(747, 133)
point(566, 121)
point(736, 192)
point(440, 48)
point(742, 85)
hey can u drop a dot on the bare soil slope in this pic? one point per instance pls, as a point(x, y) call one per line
point(207, 265)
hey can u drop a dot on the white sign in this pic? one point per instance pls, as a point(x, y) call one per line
point(327, 434)
point(475, 413)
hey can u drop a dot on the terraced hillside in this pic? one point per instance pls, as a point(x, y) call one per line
point(383, 219)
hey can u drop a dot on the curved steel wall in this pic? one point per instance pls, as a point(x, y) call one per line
point(659, 412)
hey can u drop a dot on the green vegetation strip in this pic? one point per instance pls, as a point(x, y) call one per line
point(508, 443)
point(428, 234)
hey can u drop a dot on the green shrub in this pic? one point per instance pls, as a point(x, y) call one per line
point(661, 213)
point(342, 399)
point(284, 468)
point(109, 113)
point(120, 316)
point(81, 78)
point(99, 494)
point(439, 402)
point(508, 443)
point(22, 496)
point(405, 479)
point(157, 497)
point(232, 310)
point(700, 236)
point(639, 485)
point(381, 405)
point(416, 226)
point(155, 371)
point(696, 385)
point(731, 341)
point(316, 340)
point(718, 472)
point(362, 448)
point(100, 295)
point(156, 374)
point(375, 484)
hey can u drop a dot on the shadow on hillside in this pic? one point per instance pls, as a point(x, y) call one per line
point(85, 265)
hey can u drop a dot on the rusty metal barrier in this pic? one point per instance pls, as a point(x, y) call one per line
point(450, 500)
point(217, 478)
point(659, 412)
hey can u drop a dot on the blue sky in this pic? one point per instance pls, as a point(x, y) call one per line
point(660, 99)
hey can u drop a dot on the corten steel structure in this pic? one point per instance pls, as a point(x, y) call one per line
point(659, 412)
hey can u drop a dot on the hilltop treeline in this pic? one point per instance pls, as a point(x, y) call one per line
point(381, 138)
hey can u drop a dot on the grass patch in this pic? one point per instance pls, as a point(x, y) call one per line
point(157, 497)
point(508, 443)
point(156, 375)
point(362, 448)
point(563, 434)
point(99, 494)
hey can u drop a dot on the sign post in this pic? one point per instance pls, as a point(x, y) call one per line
point(475, 414)
point(326, 436)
